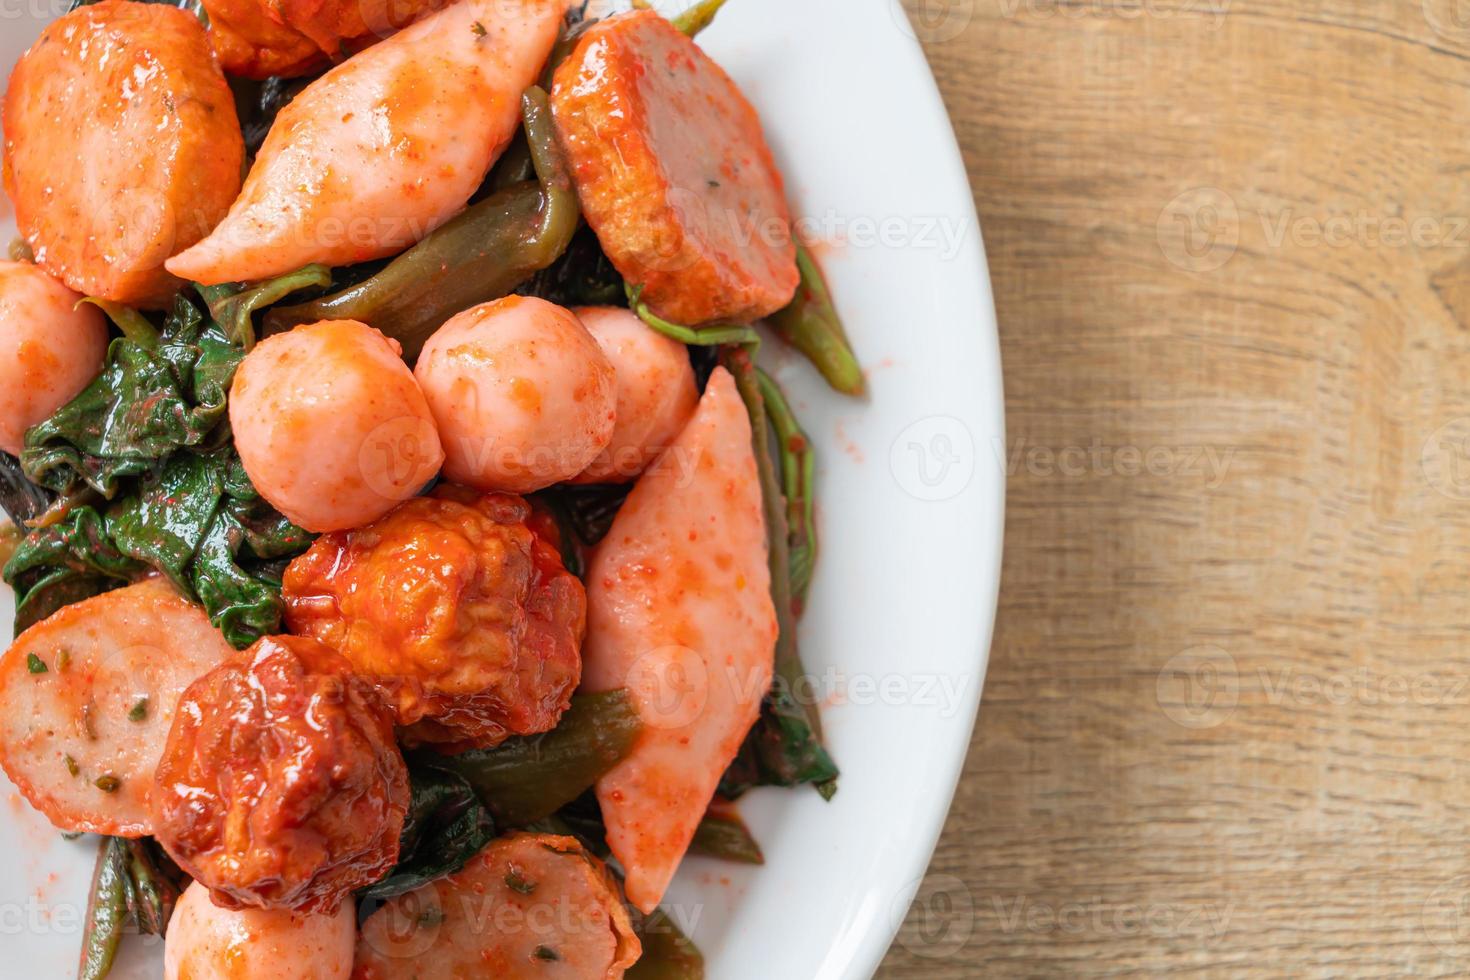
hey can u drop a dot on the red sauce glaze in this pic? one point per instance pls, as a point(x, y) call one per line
point(281, 786)
point(460, 612)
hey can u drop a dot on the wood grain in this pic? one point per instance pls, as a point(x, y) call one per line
point(1226, 729)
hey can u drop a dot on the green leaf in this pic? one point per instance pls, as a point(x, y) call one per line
point(528, 779)
point(233, 305)
point(63, 563)
point(235, 572)
point(164, 525)
point(148, 402)
point(446, 826)
point(723, 835)
point(668, 954)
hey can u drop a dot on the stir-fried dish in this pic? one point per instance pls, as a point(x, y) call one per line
point(407, 549)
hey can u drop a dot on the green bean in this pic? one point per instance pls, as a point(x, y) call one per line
point(108, 909)
point(788, 736)
point(798, 479)
point(711, 336)
point(691, 21)
point(155, 891)
point(483, 254)
point(528, 779)
point(725, 836)
point(698, 17)
point(811, 325)
point(668, 954)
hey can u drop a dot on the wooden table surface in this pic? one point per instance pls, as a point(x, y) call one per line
point(1226, 728)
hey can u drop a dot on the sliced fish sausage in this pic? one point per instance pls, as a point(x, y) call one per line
point(86, 700)
point(122, 147)
point(674, 173)
point(528, 907)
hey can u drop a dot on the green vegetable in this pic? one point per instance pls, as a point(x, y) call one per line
point(134, 884)
point(63, 563)
point(35, 664)
point(483, 254)
point(698, 17)
point(667, 953)
point(199, 521)
point(133, 325)
point(798, 486)
point(785, 746)
point(447, 825)
point(528, 779)
point(146, 403)
point(139, 710)
point(691, 21)
point(519, 885)
point(811, 324)
point(724, 835)
point(710, 336)
point(233, 306)
point(156, 885)
point(108, 909)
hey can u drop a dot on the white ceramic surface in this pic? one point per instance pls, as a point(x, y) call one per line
point(911, 490)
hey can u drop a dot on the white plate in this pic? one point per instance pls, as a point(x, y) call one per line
point(911, 489)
